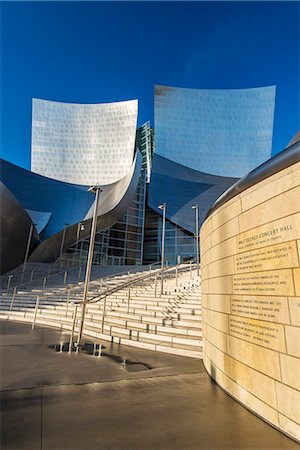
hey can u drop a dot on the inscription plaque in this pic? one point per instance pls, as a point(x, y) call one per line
point(281, 230)
point(277, 282)
point(268, 335)
point(273, 309)
point(274, 257)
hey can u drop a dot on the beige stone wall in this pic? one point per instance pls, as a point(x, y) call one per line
point(250, 251)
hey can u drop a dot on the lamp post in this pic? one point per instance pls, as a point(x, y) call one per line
point(80, 227)
point(96, 189)
point(27, 251)
point(196, 208)
point(163, 208)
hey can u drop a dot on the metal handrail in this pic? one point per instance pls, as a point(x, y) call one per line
point(29, 283)
point(74, 286)
point(182, 267)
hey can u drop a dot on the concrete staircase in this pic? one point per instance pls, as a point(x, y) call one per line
point(125, 308)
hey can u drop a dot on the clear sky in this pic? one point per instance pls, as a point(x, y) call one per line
point(94, 52)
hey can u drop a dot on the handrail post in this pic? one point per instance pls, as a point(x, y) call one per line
point(36, 310)
point(9, 281)
point(79, 274)
point(155, 286)
point(128, 300)
point(68, 299)
point(103, 314)
point(44, 284)
point(31, 276)
point(73, 329)
point(65, 277)
point(13, 298)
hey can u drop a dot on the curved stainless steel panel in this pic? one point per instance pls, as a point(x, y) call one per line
point(222, 132)
point(83, 143)
point(39, 218)
point(15, 226)
point(284, 159)
point(181, 188)
point(114, 200)
point(68, 203)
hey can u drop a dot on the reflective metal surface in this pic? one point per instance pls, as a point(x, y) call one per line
point(81, 143)
point(15, 226)
point(113, 202)
point(222, 132)
point(181, 188)
point(68, 204)
point(284, 159)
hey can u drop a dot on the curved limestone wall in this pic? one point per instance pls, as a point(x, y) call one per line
point(250, 250)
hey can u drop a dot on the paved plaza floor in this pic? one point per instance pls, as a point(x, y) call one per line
point(53, 400)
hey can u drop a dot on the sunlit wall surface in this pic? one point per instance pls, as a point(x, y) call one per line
point(222, 132)
point(83, 144)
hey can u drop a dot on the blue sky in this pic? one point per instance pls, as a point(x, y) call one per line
point(96, 52)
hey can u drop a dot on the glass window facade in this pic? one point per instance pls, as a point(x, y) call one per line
point(145, 143)
point(179, 243)
point(221, 132)
point(123, 242)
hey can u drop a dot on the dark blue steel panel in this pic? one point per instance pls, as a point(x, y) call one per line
point(68, 203)
point(181, 188)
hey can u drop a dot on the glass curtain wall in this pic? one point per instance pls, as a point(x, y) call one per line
point(180, 245)
point(121, 244)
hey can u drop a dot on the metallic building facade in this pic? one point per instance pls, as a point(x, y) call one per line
point(122, 243)
point(221, 132)
point(204, 140)
point(83, 143)
point(180, 188)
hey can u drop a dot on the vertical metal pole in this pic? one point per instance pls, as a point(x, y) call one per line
point(62, 242)
point(68, 299)
point(49, 270)
point(79, 274)
point(27, 251)
point(80, 253)
point(103, 314)
point(31, 276)
point(163, 249)
point(44, 284)
point(36, 310)
point(73, 329)
point(197, 237)
point(128, 300)
point(155, 286)
point(77, 239)
point(9, 281)
point(89, 263)
point(176, 276)
point(13, 299)
point(65, 277)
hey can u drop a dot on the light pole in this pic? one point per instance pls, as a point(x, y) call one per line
point(96, 189)
point(27, 251)
point(196, 208)
point(163, 208)
point(80, 227)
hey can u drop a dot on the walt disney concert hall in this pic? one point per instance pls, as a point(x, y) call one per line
point(202, 142)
